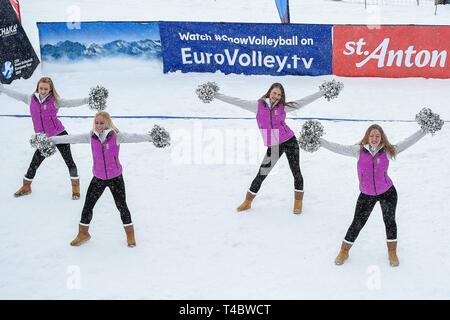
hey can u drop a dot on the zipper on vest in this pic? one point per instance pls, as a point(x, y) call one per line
point(104, 160)
point(373, 175)
point(271, 125)
point(40, 117)
point(115, 160)
point(270, 112)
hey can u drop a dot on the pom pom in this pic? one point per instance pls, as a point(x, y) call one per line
point(429, 121)
point(331, 89)
point(97, 98)
point(311, 131)
point(160, 137)
point(207, 91)
point(41, 142)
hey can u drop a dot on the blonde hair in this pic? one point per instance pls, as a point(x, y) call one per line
point(384, 140)
point(108, 121)
point(52, 89)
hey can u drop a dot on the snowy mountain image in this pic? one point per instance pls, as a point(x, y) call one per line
point(75, 51)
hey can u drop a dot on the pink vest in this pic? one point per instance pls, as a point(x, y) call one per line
point(372, 172)
point(106, 157)
point(271, 124)
point(44, 116)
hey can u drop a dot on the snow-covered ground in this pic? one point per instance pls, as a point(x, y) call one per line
point(191, 242)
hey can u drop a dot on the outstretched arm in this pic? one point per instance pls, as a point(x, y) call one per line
point(70, 103)
point(123, 137)
point(25, 98)
point(251, 106)
point(86, 138)
point(71, 138)
point(297, 104)
point(346, 150)
point(408, 142)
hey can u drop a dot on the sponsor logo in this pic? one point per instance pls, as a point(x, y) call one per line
point(386, 57)
point(7, 70)
point(391, 51)
point(8, 31)
point(253, 59)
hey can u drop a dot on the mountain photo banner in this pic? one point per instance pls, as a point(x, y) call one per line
point(92, 41)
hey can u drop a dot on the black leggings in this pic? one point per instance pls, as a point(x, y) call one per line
point(95, 190)
point(64, 149)
point(273, 153)
point(364, 207)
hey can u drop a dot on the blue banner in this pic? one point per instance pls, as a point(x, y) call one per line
point(275, 49)
point(283, 10)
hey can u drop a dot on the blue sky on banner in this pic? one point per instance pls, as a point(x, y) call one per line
point(96, 32)
point(73, 42)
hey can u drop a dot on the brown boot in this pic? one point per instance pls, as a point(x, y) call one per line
point(392, 253)
point(82, 236)
point(298, 202)
point(25, 189)
point(343, 254)
point(247, 204)
point(131, 241)
point(75, 188)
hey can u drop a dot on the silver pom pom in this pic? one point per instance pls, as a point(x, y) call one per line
point(311, 131)
point(97, 98)
point(331, 89)
point(160, 137)
point(41, 142)
point(207, 91)
point(429, 121)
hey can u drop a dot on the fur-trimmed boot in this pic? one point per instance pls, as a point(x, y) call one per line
point(247, 204)
point(343, 254)
point(129, 230)
point(298, 202)
point(75, 188)
point(82, 236)
point(392, 253)
point(25, 189)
